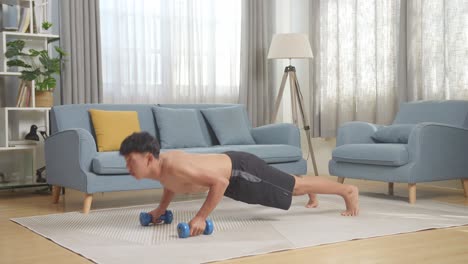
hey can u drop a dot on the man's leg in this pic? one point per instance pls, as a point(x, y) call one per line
point(313, 201)
point(317, 185)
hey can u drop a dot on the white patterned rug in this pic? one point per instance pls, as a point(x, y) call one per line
point(115, 235)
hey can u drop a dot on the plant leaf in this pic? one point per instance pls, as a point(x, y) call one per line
point(29, 75)
point(18, 63)
point(61, 52)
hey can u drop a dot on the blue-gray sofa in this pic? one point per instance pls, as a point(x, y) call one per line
point(72, 159)
point(428, 141)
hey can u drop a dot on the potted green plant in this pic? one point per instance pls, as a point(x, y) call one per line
point(37, 66)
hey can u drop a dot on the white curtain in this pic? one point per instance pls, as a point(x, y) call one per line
point(437, 35)
point(372, 55)
point(355, 68)
point(184, 51)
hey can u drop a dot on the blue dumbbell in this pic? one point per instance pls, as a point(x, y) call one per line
point(146, 218)
point(183, 229)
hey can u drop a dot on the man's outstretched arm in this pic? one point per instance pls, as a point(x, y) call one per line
point(166, 199)
point(217, 186)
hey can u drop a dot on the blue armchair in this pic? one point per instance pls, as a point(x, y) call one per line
point(427, 141)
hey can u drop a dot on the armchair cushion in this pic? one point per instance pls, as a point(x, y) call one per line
point(229, 125)
point(179, 128)
point(393, 133)
point(375, 154)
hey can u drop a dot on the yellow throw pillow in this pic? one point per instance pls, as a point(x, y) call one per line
point(112, 127)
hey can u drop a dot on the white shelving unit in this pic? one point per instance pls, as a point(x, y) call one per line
point(34, 41)
point(15, 122)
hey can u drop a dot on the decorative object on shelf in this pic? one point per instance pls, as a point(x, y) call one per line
point(46, 25)
point(44, 134)
point(44, 98)
point(293, 46)
point(32, 135)
point(41, 175)
point(3, 178)
point(38, 66)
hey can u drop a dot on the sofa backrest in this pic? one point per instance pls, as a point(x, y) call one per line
point(65, 117)
point(206, 129)
point(451, 112)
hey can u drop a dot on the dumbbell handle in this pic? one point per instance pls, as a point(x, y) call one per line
point(183, 229)
point(146, 218)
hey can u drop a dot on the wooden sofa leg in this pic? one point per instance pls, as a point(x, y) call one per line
point(87, 203)
point(412, 192)
point(465, 186)
point(56, 193)
point(340, 179)
point(390, 188)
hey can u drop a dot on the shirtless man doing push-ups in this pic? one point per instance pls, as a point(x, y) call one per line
point(238, 175)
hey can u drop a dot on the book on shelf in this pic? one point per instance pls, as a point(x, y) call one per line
point(24, 19)
point(23, 99)
point(20, 94)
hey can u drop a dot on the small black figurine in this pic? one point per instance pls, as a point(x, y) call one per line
point(32, 135)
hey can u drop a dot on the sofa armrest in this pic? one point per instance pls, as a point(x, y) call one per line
point(438, 151)
point(356, 132)
point(68, 156)
point(287, 134)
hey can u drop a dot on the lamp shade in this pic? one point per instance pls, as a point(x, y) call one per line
point(290, 46)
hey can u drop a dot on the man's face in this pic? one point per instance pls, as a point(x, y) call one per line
point(138, 164)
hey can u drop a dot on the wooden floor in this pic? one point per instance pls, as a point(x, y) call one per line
point(19, 245)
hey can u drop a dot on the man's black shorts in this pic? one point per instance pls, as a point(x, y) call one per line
point(253, 181)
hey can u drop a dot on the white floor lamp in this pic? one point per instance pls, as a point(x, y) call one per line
point(293, 46)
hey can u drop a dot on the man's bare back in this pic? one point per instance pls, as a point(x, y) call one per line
point(179, 169)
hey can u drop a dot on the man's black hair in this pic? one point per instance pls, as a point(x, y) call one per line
point(140, 142)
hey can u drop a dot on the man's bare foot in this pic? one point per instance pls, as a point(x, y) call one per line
point(351, 198)
point(313, 202)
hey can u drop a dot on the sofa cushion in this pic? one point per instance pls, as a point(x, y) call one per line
point(375, 154)
point(112, 163)
point(269, 153)
point(229, 125)
point(109, 163)
point(112, 127)
point(179, 128)
point(207, 131)
point(393, 134)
